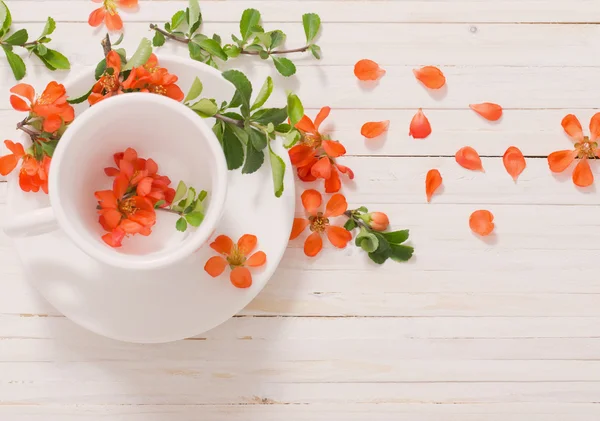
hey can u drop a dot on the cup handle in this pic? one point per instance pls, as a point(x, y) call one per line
point(29, 224)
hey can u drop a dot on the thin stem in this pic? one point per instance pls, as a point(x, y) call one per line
point(358, 221)
point(106, 45)
point(21, 125)
point(293, 50)
point(229, 120)
point(168, 35)
point(30, 43)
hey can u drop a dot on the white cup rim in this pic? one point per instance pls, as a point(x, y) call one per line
point(104, 253)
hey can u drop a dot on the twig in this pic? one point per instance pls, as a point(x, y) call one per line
point(229, 120)
point(32, 134)
point(168, 35)
point(106, 45)
point(294, 50)
point(358, 221)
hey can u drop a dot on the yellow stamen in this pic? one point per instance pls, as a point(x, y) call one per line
point(127, 206)
point(318, 223)
point(586, 149)
point(158, 89)
point(110, 6)
point(236, 258)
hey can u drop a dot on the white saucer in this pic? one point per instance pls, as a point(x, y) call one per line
point(173, 303)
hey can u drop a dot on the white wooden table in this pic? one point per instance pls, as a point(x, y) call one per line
point(505, 330)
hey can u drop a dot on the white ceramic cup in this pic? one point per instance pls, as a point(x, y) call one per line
point(157, 127)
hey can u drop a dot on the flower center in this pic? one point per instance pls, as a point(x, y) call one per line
point(158, 89)
point(110, 6)
point(236, 258)
point(318, 223)
point(127, 206)
point(312, 140)
point(108, 82)
point(586, 149)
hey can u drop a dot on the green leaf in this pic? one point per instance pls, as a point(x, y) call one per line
point(257, 139)
point(205, 107)
point(295, 109)
point(177, 19)
point(264, 55)
point(400, 253)
point(213, 48)
point(378, 258)
point(202, 195)
point(17, 38)
point(232, 50)
point(255, 47)
point(56, 60)
point(316, 51)
point(254, 159)
point(158, 40)
point(363, 209)
point(265, 39)
point(49, 147)
point(278, 171)
point(396, 237)
point(350, 225)
point(5, 19)
point(217, 38)
point(283, 128)
point(119, 40)
point(41, 49)
point(195, 16)
point(51, 26)
point(284, 66)
point(243, 90)
point(191, 196)
point(195, 51)
point(16, 63)
point(240, 133)
point(233, 149)
point(80, 99)
point(311, 23)
point(250, 18)
point(194, 218)
point(141, 55)
point(159, 204)
point(194, 91)
point(180, 192)
point(367, 241)
point(264, 94)
point(291, 138)
point(181, 224)
point(270, 115)
point(277, 38)
point(100, 68)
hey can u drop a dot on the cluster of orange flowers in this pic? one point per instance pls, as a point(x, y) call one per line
point(147, 78)
point(129, 207)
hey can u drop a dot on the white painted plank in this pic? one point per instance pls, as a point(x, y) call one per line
point(551, 11)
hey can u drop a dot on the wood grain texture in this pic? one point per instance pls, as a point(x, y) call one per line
point(506, 329)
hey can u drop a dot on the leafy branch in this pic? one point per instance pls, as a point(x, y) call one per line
point(184, 27)
point(52, 59)
point(188, 204)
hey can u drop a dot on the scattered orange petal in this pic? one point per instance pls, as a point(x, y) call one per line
point(215, 266)
point(241, 277)
point(514, 162)
point(560, 160)
point(482, 222)
point(430, 76)
point(374, 128)
point(368, 70)
point(222, 244)
point(299, 225)
point(311, 200)
point(419, 126)
point(257, 259)
point(572, 127)
point(468, 158)
point(488, 110)
point(432, 182)
point(313, 244)
point(336, 206)
point(582, 175)
point(338, 236)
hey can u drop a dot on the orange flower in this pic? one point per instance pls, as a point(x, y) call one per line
point(237, 257)
point(319, 222)
point(109, 83)
point(430, 76)
point(33, 175)
point(51, 106)
point(368, 70)
point(154, 79)
point(108, 13)
point(585, 148)
point(123, 215)
point(315, 155)
point(9, 162)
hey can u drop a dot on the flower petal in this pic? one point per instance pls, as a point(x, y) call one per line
point(8, 163)
point(514, 162)
point(298, 227)
point(113, 22)
point(311, 200)
point(257, 259)
point(114, 238)
point(373, 129)
point(25, 90)
point(111, 219)
point(313, 244)
point(336, 206)
point(127, 3)
point(144, 187)
point(430, 76)
point(120, 186)
point(333, 148)
point(52, 123)
point(419, 126)
point(16, 148)
point(333, 183)
point(19, 104)
point(306, 125)
point(106, 199)
point(432, 182)
point(572, 127)
point(560, 160)
point(368, 70)
point(323, 114)
point(595, 127)
point(241, 277)
point(582, 175)
point(481, 222)
point(96, 17)
point(468, 158)
point(338, 236)
point(301, 155)
point(247, 243)
point(322, 168)
point(345, 170)
point(215, 266)
point(222, 244)
point(488, 110)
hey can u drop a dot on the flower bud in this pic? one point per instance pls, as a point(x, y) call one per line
point(379, 221)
